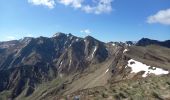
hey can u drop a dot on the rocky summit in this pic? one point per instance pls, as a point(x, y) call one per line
point(66, 67)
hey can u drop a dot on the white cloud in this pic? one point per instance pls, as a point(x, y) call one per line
point(95, 6)
point(49, 3)
point(86, 31)
point(103, 6)
point(162, 17)
point(73, 3)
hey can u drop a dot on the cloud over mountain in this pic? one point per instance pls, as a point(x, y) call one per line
point(162, 17)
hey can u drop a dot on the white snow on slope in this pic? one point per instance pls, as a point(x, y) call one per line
point(106, 71)
point(85, 40)
point(113, 44)
point(125, 50)
point(71, 37)
point(70, 62)
point(77, 39)
point(60, 64)
point(94, 51)
point(138, 66)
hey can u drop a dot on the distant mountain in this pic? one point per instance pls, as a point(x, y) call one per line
point(52, 68)
point(146, 41)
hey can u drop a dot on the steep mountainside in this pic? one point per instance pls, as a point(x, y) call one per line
point(26, 63)
point(65, 66)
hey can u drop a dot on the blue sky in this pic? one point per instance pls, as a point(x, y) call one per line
point(106, 20)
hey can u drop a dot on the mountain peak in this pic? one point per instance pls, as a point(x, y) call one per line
point(146, 41)
point(89, 37)
point(59, 34)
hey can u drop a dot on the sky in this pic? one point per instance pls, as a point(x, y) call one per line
point(106, 20)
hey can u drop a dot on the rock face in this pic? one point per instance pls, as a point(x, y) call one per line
point(66, 63)
point(31, 61)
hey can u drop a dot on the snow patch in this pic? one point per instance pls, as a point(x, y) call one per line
point(113, 44)
point(94, 51)
point(77, 39)
point(70, 62)
point(125, 50)
point(85, 40)
point(106, 70)
point(137, 66)
point(71, 37)
point(107, 49)
point(65, 43)
point(129, 45)
point(60, 64)
point(70, 45)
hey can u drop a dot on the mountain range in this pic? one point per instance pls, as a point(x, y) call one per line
point(65, 67)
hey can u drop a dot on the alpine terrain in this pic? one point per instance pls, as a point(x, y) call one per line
point(66, 67)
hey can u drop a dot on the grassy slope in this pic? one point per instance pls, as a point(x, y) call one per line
point(5, 95)
point(152, 55)
point(41, 90)
point(151, 88)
